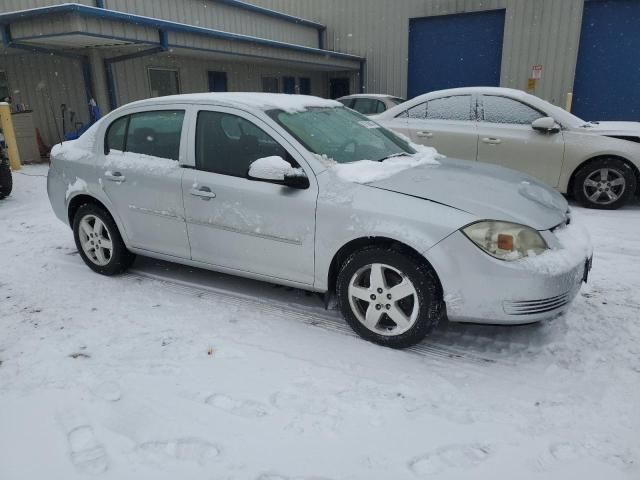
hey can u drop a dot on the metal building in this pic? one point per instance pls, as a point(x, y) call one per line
point(117, 51)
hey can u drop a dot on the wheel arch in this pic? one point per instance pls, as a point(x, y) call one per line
point(379, 241)
point(634, 169)
point(86, 198)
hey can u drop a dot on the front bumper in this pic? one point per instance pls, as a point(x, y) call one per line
point(481, 289)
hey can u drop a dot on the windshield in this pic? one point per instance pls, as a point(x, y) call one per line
point(341, 134)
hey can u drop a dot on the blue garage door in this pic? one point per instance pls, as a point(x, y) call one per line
point(459, 50)
point(607, 85)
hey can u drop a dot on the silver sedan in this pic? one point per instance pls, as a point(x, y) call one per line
point(304, 192)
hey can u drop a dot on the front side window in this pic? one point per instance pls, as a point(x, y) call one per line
point(163, 82)
point(228, 144)
point(450, 108)
point(507, 110)
point(341, 134)
point(156, 134)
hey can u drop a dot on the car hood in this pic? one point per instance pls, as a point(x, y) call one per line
point(614, 128)
point(483, 190)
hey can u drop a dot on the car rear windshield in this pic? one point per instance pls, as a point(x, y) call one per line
point(341, 134)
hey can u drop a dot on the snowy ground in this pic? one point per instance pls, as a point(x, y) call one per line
point(168, 372)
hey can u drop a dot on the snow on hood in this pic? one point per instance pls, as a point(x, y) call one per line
point(487, 191)
point(614, 128)
point(366, 171)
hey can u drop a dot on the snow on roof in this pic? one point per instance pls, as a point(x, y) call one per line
point(261, 101)
point(370, 95)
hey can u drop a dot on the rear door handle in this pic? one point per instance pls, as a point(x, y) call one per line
point(204, 192)
point(425, 134)
point(492, 141)
point(115, 176)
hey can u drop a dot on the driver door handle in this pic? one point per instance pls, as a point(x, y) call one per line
point(425, 134)
point(114, 176)
point(492, 141)
point(204, 192)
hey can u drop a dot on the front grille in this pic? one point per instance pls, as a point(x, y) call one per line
point(533, 307)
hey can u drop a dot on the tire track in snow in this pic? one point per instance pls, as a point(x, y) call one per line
point(317, 318)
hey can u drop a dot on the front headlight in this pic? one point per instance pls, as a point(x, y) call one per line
point(506, 241)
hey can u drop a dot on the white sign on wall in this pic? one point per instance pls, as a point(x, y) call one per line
point(536, 72)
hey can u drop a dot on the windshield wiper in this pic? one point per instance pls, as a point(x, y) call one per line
point(401, 154)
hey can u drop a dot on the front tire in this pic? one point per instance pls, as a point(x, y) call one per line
point(606, 184)
point(388, 297)
point(99, 242)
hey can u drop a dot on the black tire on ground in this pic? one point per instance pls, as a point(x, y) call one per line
point(616, 169)
point(6, 181)
point(121, 258)
point(431, 306)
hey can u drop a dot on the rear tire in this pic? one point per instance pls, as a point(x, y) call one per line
point(99, 241)
point(388, 297)
point(6, 180)
point(606, 184)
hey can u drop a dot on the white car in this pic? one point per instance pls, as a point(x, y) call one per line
point(370, 103)
point(596, 162)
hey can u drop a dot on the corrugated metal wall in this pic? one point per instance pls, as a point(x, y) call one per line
point(43, 81)
point(203, 13)
point(545, 32)
point(132, 79)
point(212, 14)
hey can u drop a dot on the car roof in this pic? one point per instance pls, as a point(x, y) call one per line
point(368, 95)
point(250, 100)
point(509, 92)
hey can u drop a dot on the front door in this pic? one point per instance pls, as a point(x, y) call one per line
point(446, 124)
point(143, 180)
point(246, 225)
point(505, 137)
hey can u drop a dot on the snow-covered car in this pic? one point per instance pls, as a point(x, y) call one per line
point(304, 192)
point(370, 103)
point(596, 162)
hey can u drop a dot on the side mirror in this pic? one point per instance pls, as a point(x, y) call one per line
point(545, 125)
point(277, 170)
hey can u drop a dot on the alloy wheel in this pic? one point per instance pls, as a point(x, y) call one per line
point(604, 186)
point(383, 299)
point(95, 240)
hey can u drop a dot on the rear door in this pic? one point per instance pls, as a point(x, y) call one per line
point(505, 137)
point(447, 124)
point(239, 223)
point(141, 175)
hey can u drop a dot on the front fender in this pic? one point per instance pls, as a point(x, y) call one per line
point(348, 212)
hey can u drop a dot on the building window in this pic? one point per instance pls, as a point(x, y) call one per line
point(4, 85)
point(270, 85)
point(289, 84)
point(305, 85)
point(163, 81)
point(218, 81)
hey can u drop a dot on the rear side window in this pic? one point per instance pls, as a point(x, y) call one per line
point(450, 108)
point(507, 110)
point(114, 139)
point(156, 134)
point(228, 144)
